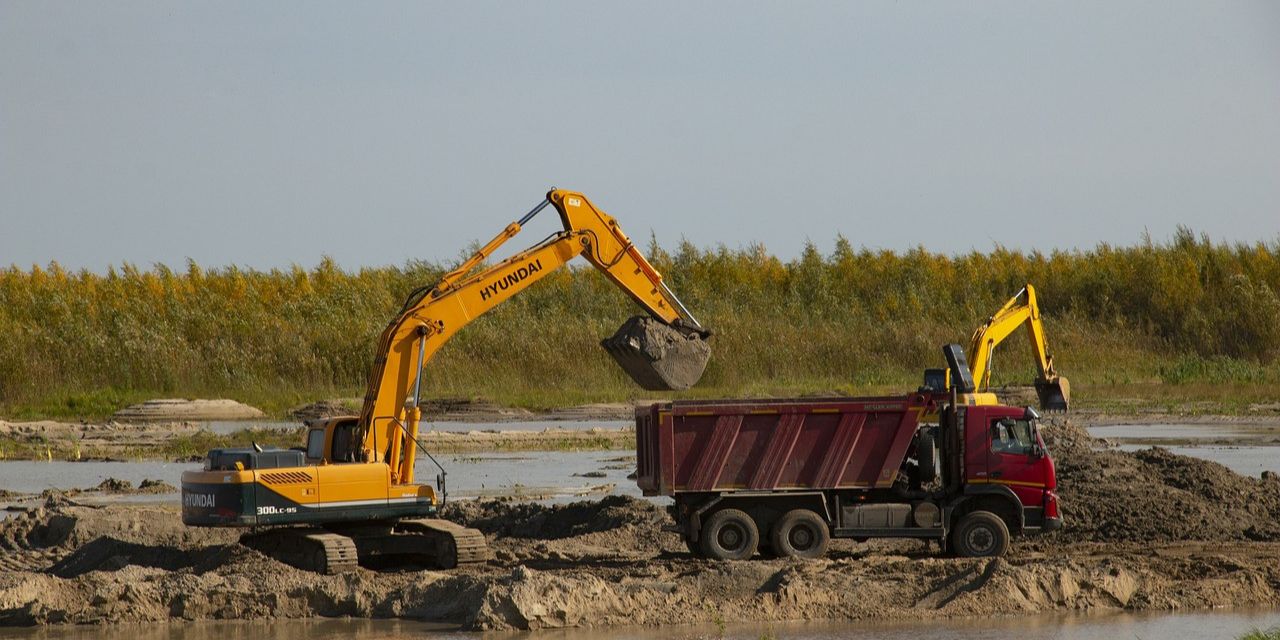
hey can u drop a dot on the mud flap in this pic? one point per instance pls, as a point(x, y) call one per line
point(657, 356)
point(1055, 394)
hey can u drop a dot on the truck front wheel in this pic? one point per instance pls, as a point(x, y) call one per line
point(980, 534)
point(800, 533)
point(730, 534)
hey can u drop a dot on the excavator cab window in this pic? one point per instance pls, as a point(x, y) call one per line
point(344, 444)
point(315, 444)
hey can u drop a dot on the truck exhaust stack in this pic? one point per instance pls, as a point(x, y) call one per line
point(657, 356)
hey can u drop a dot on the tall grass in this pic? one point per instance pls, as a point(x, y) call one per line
point(1177, 312)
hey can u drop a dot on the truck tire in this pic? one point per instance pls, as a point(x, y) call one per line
point(980, 534)
point(729, 534)
point(800, 533)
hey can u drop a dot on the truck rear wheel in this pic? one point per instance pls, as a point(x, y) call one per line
point(800, 533)
point(980, 534)
point(730, 534)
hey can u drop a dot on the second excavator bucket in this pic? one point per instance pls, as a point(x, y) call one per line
point(1055, 393)
point(657, 356)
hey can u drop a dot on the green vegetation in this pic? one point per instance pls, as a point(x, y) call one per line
point(1187, 320)
point(1258, 634)
point(38, 447)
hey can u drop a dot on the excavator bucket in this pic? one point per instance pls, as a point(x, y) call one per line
point(657, 356)
point(1055, 393)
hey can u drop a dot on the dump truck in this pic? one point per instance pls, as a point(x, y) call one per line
point(348, 495)
point(783, 477)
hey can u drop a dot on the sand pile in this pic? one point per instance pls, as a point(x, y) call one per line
point(1154, 495)
point(182, 409)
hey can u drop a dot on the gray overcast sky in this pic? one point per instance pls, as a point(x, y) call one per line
point(265, 134)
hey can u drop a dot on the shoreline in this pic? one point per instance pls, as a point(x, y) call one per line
point(187, 440)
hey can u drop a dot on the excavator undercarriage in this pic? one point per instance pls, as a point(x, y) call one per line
point(429, 542)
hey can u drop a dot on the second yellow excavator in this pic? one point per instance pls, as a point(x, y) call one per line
point(349, 494)
point(1021, 310)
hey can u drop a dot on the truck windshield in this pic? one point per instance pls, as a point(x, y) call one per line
point(1012, 436)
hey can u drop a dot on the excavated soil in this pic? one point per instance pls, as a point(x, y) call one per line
point(1154, 495)
point(169, 409)
point(657, 356)
point(1146, 531)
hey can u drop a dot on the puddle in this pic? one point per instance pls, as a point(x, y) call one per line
point(1244, 460)
point(540, 474)
point(1246, 449)
point(1208, 625)
point(1180, 432)
point(27, 476)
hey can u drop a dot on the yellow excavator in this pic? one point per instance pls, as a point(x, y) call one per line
point(1054, 391)
point(348, 496)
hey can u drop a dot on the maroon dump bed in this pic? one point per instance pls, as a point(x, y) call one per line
point(768, 445)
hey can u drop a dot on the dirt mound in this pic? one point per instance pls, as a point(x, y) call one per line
point(155, 487)
point(1155, 495)
point(113, 485)
point(180, 409)
point(542, 522)
point(109, 554)
point(323, 409)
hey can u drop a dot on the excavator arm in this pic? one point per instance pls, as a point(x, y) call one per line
point(389, 420)
point(1021, 310)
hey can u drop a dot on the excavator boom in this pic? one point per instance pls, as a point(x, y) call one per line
point(666, 350)
point(1021, 310)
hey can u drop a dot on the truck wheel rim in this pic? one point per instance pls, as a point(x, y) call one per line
point(731, 537)
point(801, 538)
point(980, 539)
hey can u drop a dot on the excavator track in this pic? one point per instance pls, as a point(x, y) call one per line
point(306, 549)
point(455, 544)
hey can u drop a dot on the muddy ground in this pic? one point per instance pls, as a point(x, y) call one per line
point(1145, 531)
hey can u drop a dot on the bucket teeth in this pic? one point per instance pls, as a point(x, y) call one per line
point(657, 356)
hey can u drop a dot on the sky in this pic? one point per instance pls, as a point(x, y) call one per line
point(271, 134)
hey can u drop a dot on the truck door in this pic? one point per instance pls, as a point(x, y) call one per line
point(1013, 457)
